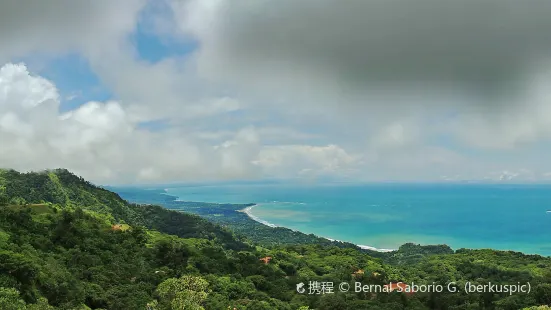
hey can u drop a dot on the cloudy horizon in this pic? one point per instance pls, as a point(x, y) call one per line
point(143, 91)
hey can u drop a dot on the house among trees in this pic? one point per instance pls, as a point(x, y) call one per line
point(358, 273)
point(399, 286)
point(266, 259)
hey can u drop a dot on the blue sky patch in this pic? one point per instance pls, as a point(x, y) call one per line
point(150, 43)
point(73, 77)
point(153, 49)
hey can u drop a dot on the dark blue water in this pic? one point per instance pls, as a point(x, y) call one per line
point(505, 217)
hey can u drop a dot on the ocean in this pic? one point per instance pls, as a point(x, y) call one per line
point(385, 216)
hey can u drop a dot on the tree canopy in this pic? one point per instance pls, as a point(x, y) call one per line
point(68, 244)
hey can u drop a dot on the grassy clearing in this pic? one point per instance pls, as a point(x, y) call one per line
point(37, 208)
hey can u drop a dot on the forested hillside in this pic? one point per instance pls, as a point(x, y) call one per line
point(67, 244)
point(67, 191)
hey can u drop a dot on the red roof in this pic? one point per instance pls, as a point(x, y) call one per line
point(404, 287)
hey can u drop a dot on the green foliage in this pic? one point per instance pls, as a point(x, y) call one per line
point(59, 250)
point(186, 292)
point(4, 237)
point(186, 226)
point(62, 188)
point(10, 300)
point(3, 195)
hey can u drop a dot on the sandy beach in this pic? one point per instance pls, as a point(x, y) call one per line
point(247, 211)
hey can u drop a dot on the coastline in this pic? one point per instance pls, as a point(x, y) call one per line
point(247, 211)
point(225, 214)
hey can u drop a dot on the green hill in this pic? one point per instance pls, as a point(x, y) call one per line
point(68, 244)
point(64, 190)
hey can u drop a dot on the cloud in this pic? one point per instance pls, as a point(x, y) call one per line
point(213, 107)
point(60, 25)
point(522, 175)
point(35, 136)
point(100, 31)
point(396, 135)
point(368, 64)
point(100, 141)
point(97, 139)
point(293, 160)
point(519, 125)
point(374, 90)
point(426, 43)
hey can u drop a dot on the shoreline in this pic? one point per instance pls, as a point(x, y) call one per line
point(251, 216)
point(247, 211)
point(248, 207)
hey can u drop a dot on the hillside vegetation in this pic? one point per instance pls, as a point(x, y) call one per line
point(68, 244)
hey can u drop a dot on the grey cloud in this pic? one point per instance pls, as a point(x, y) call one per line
point(61, 25)
point(362, 65)
point(482, 46)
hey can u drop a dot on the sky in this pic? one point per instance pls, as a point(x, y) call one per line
point(156, 91)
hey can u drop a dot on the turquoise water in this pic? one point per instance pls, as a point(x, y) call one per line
point(504, 217)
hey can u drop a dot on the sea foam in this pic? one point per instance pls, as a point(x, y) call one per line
point(247, 211)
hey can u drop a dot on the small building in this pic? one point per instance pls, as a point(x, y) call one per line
point(266, 259)
point(399, 286)
point(358, 273)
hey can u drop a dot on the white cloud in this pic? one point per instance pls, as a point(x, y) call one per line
point(214, 135)
point(212, 107)
point(396, 135)
point(100, 31)
point(522, 175)
point(285, 134)
point(365, 89)
point(293, 160)
point(99, 141)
